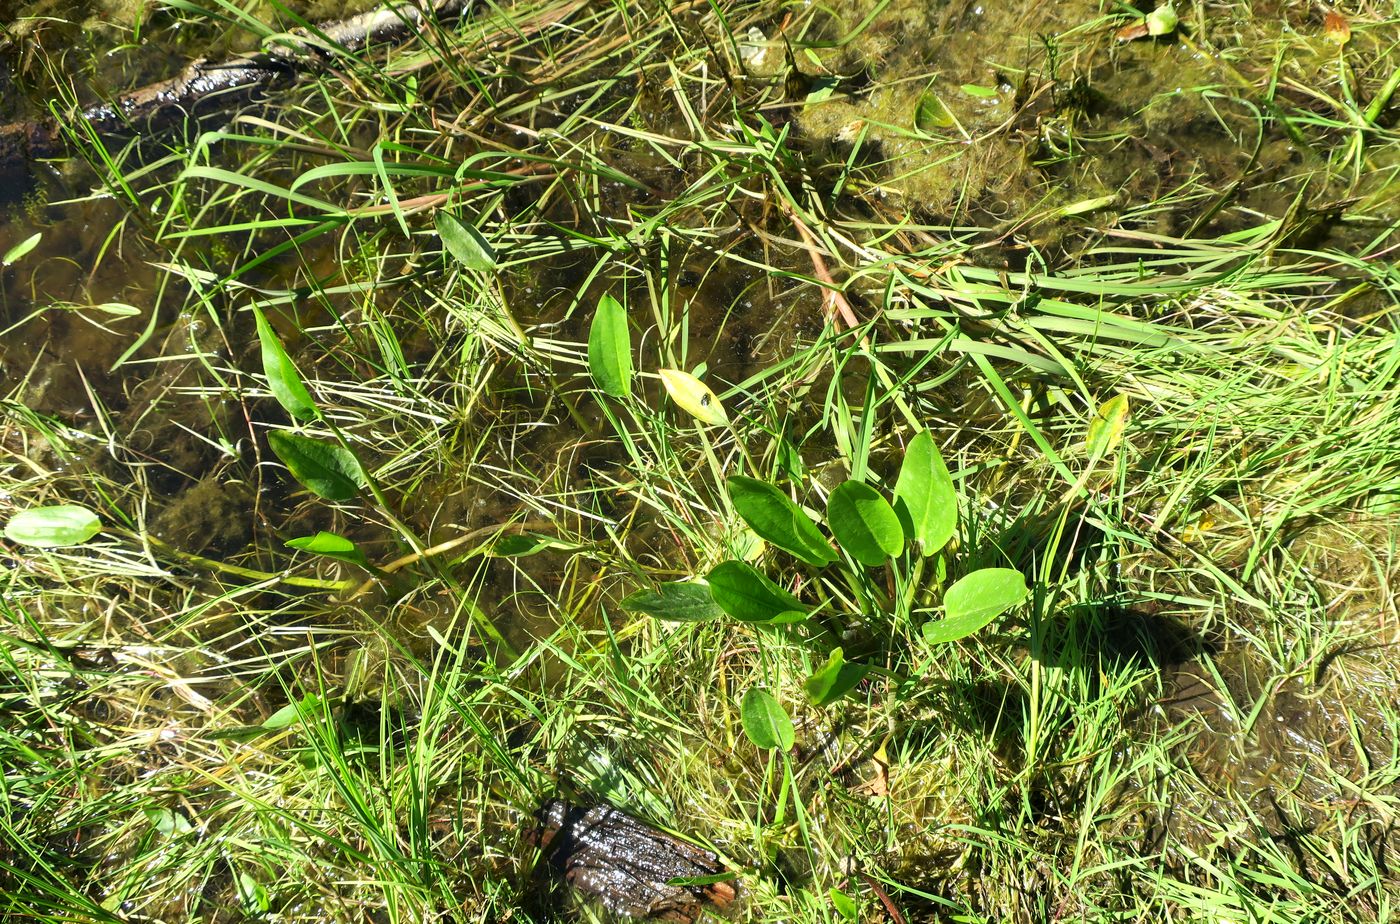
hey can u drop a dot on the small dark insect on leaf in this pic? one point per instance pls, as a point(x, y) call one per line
point(630, 867)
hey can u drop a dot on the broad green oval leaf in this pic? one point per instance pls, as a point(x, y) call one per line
point(282, 376)
point(330, 545)
point(833, 680)
point(326, 469)
point(1106, 428)
point(844, 905)
point(746, 595)
point(975, 600)
point(1162, 21)
point(864, 523)
point(924, 497)
point(53, 527)
point(679, 601)
point(765, 720)
point(694, 397)
point(610, 348)
point(771, 514)
point(20, 250)
point(465, 243)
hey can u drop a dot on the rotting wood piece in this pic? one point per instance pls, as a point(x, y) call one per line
point(204, 86)
point(626, 864)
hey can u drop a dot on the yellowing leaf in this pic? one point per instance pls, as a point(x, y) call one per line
point(1106, 429)
point(694, 397)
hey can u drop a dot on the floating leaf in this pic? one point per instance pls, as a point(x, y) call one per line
point(53, 527)
point(610, 348)
point(1162, 21)
point(765, 720)
point(978, 91)
point(931, 114)
point(694, 397)
point(326, 469)
point(330, 545)
point(864, 523)
point(679, 601)
point(20, 250)
point(746, 595)
point(833, 680)
point(976, 600)
point(924, 497)
point(1106, 429)
point(771, 514)
point(282, 376)
point(465, 243)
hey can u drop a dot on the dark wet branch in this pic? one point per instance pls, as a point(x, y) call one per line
point(204, 87)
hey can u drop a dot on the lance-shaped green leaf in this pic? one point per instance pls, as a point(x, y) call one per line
point(330, 545)
point(680, 601)
point(694, 397)
point(770, 513)
point(21, 250)
point(765, 720)
point(282, 376)
point(833, 680)
point(746, 595)
point(864, 523)
point(326, 469)
point(53, 527)
point(976, 600)
point(610, 348)
point(924, 497)
point(465, 243)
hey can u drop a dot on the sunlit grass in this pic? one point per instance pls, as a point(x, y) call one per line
point(1192, 718)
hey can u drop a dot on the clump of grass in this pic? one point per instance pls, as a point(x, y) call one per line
point(1187, 719)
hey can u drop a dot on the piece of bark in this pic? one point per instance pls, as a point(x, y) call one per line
point(627, 864)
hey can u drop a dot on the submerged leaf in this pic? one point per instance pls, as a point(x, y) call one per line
point(330, 545)
point(465, 243)
point(326, 469)
point(610, 348)
point(694, 397)
point(53, 527)
point(765, 720)
point(931, 114)
point(21, 250)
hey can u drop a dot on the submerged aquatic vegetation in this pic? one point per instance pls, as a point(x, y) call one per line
point(720, 411)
